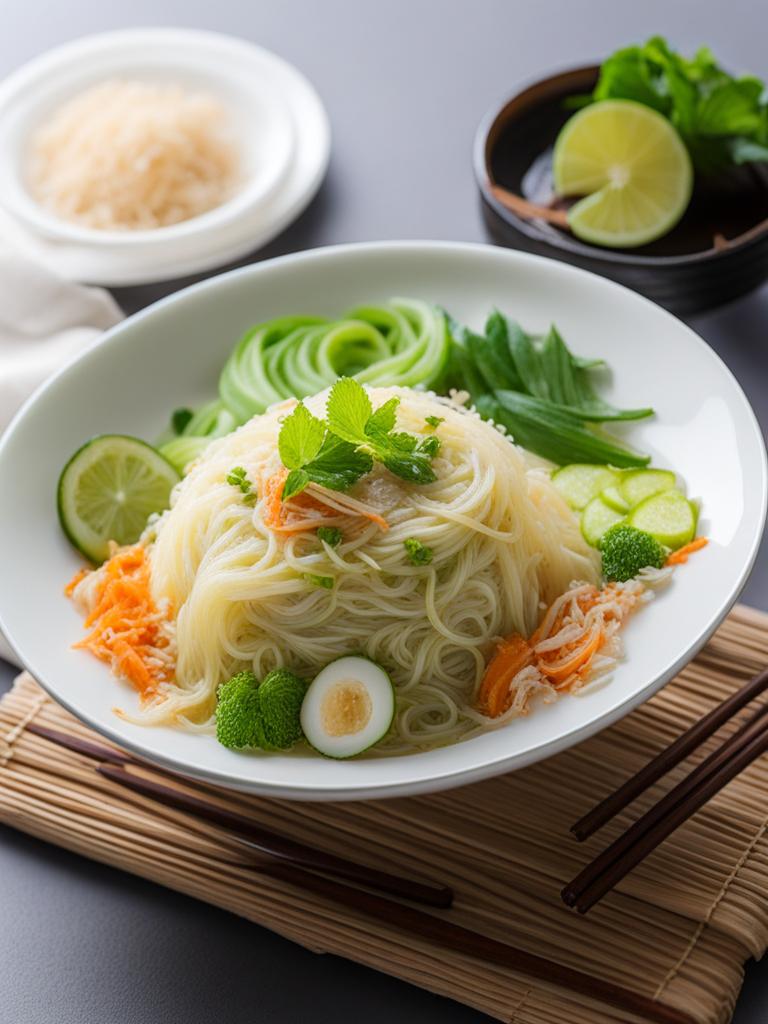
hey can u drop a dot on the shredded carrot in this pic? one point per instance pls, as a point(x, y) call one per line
point(563, 665)
point(307, 511)
point(580, 657)
point(512, 655)
point(680, 556)
point(585, 600)
point(273, 498)
point(125, 623)
point(69, 589)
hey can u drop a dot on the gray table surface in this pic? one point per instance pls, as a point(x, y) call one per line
point(405, 83)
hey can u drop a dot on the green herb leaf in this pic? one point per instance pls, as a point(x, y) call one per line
point(570, 384)
point(315, 455)
point(295, 483)
point(461, 370)
point(521, 352)
point(711, 109)
point(348, 410)
point(418, 553)
point(301, 437)
point(383, 420)
point(555, 433)
point(319, 581)
point(330, 535)
point(434, 421)
point(408, 457)
point(179, 420)
point(351, 417)
point(338, 464)
point(429, 445)
point(236, 475)
point(237, 478)
point(732, 108)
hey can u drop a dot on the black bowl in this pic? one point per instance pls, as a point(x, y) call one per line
point(717, 252)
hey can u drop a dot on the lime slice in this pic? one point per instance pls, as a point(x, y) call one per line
point(669, 517)
point(107, 491)
point(633, 168)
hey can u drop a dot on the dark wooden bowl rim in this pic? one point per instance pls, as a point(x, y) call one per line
point(557, 84)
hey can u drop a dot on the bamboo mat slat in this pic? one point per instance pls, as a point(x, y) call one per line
point(678, 929)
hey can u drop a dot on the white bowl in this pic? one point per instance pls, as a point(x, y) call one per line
point(275, 114)
point(704, 428)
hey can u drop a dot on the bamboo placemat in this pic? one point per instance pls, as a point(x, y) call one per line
point(678, 929)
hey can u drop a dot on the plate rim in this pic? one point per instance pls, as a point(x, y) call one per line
point(287, 201)
point(450, 778)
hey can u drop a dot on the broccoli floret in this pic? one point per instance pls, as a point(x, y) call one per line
point(238, 720)
point(280, 698)
point(626, 550)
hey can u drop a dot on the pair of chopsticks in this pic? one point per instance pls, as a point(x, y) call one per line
point(114, 765)
point(735, 754)
point(308, 869)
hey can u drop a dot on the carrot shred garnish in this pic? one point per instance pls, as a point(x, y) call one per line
point(69, 589)
point(273, 498)
point(680, 556)
point(125, 623)
point(512, 655)
point(305, 511)
point(559, 671)
point(565, 665)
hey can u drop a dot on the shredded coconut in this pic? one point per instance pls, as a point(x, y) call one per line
point(128, 155)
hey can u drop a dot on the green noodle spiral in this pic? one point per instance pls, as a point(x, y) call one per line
point(404, 343)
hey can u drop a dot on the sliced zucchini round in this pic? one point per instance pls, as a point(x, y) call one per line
point(612, 496)
point(596, 518)
point(640, 484)
point(669, 517)
point(580, 482)
point(348, 707)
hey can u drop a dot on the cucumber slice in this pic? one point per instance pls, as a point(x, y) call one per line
point(180, 451)
point(669, 517)
point(348, 707)
point(612, 496)
point(107, 491)
point(637, 485)
point(580, 482)
point(596, 518)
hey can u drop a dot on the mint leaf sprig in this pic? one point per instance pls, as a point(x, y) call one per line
point(351, 417)
point(338, 451)
point(723, 120)
point(314, 455)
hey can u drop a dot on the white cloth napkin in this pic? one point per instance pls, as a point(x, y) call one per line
point(44, 322)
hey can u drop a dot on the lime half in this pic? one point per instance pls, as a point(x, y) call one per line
point(107, 491)
point(632, 167)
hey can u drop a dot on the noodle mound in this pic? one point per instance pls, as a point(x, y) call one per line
point(503, 543)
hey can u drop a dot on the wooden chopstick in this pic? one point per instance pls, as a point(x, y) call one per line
point(79, 745)
point(437, 929)
point(716, 771)
point(669, 758)
point(417, 922)
point(455, 937)
point(280, 847)
point(265, 841)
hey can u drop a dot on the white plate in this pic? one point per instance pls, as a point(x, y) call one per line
point(170, 355)
point(279, 121)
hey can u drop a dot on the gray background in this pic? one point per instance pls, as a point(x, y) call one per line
point(405, 83)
